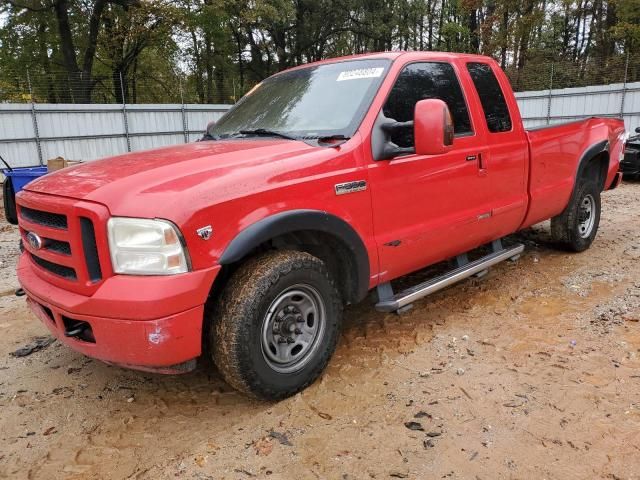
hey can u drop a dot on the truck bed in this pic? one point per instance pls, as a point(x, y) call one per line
point(555, 153)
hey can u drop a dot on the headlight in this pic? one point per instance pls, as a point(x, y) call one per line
point(141, 246)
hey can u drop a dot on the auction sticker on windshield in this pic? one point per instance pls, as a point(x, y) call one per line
point(360, 73)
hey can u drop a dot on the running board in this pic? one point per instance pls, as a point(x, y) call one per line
point(400, 301)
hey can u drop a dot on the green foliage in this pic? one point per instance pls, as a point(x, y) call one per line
point(628, 27)
point(213, 51)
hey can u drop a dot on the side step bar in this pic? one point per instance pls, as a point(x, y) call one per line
point(391, 303)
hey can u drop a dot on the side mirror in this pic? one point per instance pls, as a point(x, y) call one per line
point(637, 129)
point(432, 127)
point(206, 135)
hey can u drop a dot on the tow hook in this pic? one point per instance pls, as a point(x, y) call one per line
point(75, 330)
point(20, 292)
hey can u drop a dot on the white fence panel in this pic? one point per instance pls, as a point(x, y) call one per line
point(87, 148)
point(567, 104)
point(17, 144)
point(88, 132)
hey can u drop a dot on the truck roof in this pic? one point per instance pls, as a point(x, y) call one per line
point(392, 56)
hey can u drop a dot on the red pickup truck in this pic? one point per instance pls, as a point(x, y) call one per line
point(324, 182)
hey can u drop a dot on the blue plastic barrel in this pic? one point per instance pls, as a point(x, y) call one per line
point(23, 175)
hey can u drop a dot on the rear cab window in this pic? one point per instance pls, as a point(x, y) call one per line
point(425, 80)
point(494, 105)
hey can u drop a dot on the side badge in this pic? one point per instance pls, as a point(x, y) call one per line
point(351, 187)
point(205, 233)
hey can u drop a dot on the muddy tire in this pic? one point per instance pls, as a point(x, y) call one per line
point(576, 227)
point(276, 324)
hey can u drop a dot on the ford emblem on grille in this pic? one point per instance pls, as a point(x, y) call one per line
point(34, 240)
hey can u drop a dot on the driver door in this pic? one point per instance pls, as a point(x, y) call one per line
point(427, 208)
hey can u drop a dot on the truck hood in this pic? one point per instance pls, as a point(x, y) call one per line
point(169, 174)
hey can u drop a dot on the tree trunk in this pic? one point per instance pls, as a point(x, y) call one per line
point(46, 65)
point(134, 83)
point(525, 36)
point(208, 62)
point(197, 57)
point(566, 32)
point(90, 51)
point(430, 25)
point(474, 37)
point(238, 38)
point(504, 31)
point(219, 74)
point(610, 23)
point(81, 79)
point(117, 88)
point(577, 31)
point(440, 23)
point(68, 49)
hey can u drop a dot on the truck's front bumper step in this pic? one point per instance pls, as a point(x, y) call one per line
point(390, 302)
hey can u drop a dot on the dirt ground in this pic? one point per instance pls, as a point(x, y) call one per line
point(530, 372)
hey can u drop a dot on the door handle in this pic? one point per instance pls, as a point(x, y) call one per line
point(482, 167)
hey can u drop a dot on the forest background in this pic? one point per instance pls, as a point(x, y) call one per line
point(213, 51)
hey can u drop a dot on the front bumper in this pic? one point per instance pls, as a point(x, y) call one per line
point(148, 323)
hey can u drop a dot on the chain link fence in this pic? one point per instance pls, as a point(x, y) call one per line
point(143, 88)
point(556, 73)
point(27, 87)
point(556, 91)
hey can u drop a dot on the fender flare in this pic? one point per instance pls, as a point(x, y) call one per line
point(296, 220)
point(588, 154)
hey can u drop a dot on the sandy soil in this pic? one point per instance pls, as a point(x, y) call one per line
point(531, 372)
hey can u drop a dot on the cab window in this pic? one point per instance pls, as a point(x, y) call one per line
point(420, 81)
point(496, 111)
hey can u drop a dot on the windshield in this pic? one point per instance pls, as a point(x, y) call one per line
point(313, 102)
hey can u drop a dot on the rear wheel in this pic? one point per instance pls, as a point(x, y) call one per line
point(276, 324)
point(576, 227)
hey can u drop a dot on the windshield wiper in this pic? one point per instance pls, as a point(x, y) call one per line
point(326, 137)
point(267, 133)
point(328, 140)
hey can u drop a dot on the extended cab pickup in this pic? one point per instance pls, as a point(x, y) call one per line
point(324, 182)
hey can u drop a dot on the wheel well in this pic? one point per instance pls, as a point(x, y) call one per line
point(336, 255)
point(332, 251)
point(596, 168)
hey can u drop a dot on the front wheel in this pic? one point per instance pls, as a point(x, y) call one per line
point(276, 324)
point(576, 227)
